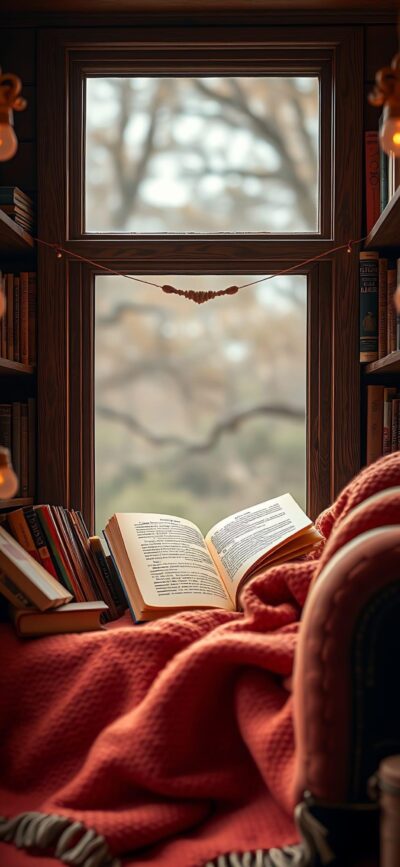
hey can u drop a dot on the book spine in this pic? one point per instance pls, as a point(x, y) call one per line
point(24, 450)
point(383, 171)
point(17, 319)
point(10, 316)
point(374, 422)
point(391, 313)
point(382, 308)
point(372, 178)
point(31, 447)
point(20, 530)
point(5, 425)
point(12, 592)
point(16, 437)
point(40, 542)
point(369, 286)
point(395, 423)
point(32, 317)
point(24, 318)
point(388, 395)
point(100, 558)
point(53, 541)
point(120, 579)
point(3, 322)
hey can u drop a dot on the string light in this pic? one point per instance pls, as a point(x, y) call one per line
point(199, 297)
point(386, 93)
point(10, 100)
point(8, 479)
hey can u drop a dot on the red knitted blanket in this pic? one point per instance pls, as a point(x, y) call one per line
point(174, 740)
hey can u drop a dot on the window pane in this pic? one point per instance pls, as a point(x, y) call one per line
point(200, 410)
point(202, 154)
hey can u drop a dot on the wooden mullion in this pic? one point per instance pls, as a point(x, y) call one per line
point(52, 281)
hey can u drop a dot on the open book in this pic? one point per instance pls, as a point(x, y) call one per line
point(166, 564)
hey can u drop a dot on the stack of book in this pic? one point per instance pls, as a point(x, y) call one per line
point(382, 176)
point(18, 206)
point(383, 421)
point(18, 433)
point(58, 539)
point(18, 325)
point(39, 603)
point(379, 324)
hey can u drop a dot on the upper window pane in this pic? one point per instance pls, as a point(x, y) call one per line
point(178, 155)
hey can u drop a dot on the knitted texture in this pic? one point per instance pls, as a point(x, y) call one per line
point(174, 739)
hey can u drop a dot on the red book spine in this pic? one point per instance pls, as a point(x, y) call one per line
point(40, 542)
point(372, 179)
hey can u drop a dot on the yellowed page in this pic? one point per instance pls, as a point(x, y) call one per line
point(239, 542)
point(171, 563)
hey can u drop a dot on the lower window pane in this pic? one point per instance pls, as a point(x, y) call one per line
point(200, 410)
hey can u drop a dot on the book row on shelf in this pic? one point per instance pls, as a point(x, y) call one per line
point(383, 421)
point(17, 205)
point(379, 322)
point(18, 325)
point(58, 549)
point(18, 434)
point(382, 177)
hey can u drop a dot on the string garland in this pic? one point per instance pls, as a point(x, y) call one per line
point(199, 297)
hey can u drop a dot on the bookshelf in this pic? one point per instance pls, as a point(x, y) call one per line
point(13, 239)
point(17, 379)
point(380, 420)
point(16, 502)
point(386, 231)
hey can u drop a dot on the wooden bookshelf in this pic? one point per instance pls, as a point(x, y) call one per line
point(388, 364)
point(16, 502)
point(15, 368)
point(13, 239)
point(386, 231)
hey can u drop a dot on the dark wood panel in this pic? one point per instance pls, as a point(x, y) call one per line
point(25, 121)
point(381, 43)
point(18, 51)
point(98, 6)
point(21, 169)
point(348, 208)
point(53, 309)
point(319, 388)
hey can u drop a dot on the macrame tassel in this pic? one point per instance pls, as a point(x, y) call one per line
point(73, 843)
point(312, 851)
point(199, 297)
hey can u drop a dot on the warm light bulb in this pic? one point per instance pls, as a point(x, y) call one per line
point(8, 479)
point(8, 141)
point(389, 135)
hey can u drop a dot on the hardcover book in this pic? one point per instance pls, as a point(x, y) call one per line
point(73, 617)
point(166, 564)
point(23, 581)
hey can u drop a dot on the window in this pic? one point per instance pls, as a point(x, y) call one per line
point(202, 154)
point(199, 210)
point(200, 411)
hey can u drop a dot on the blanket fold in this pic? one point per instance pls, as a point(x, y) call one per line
point(170, 743)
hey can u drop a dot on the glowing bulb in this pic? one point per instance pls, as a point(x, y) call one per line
point(8, 479)
point(8, 142)
point(389, 135)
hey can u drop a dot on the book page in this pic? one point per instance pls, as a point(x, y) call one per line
point(239, 542)
point(171, 562)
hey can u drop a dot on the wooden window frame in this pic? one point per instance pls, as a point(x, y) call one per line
point(66, 295)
